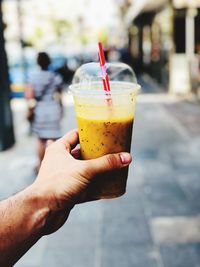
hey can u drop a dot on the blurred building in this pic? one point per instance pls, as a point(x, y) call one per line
point(164, 41)
point(6, 125)
point(61, 26)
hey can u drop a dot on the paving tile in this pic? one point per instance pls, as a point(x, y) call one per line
point(190, 183)
point(180, 255)
point(125, 231)
point(176, 230)
point(90, 213)
point(157, 172)
point(135, 175)
point(129, 256)
point(74, 235)
point(124, 220)
point(161, 132)
point(126, 207)
point(69, 256)
point(74, 245)
point(186, 163)
point(166, 199)
point(191, 118)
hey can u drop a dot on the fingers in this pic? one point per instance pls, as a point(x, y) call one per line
point(76, 153)
point(108, 163)
point(70, 140)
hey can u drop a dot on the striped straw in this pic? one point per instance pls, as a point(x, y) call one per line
point(104, 73)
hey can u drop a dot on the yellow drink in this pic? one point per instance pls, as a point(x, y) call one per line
point(105, 126)
point(98, 138)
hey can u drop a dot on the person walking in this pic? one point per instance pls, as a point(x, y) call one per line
point(46, 87)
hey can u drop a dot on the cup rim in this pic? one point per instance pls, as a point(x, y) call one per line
point(78, 88)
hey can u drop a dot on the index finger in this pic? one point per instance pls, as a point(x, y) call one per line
point(70, 140)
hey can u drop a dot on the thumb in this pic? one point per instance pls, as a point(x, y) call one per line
point(109, 162)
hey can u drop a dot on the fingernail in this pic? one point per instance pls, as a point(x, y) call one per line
point(125, 158)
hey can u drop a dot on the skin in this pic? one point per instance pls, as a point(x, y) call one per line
point(41, 144)
point(44, 206)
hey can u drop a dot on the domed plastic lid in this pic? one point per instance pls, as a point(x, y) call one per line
point(88, 79)
point(91, 72)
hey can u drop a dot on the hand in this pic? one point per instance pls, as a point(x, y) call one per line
point(64, 180)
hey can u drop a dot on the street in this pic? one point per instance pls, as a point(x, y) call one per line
point(156, 223)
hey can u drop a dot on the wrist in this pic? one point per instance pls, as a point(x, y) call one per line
point(37, 209)
point(50, 195)
point(48, 212)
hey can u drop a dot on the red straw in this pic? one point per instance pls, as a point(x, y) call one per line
point(104, 73)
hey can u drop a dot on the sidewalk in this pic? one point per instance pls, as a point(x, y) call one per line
point(157, 222)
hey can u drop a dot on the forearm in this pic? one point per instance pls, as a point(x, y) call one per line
point(22, 218)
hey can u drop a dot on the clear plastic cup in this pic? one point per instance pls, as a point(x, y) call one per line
point(105, 120)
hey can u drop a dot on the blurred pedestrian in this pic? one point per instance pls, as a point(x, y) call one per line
point(46, 89)
point(66, 73)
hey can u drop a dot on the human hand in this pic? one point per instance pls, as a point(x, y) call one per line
point(64, 180)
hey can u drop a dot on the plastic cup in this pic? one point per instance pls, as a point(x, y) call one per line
point(105, 126)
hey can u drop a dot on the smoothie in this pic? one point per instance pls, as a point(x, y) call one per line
point(100, 137)
point(105, 124)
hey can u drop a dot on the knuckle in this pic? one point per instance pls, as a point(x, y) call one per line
point(67, 146)
point(86, 170)
point(112, 161)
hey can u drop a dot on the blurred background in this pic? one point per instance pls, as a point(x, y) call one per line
point(157, 222)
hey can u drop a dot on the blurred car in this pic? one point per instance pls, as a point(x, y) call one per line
point(19, 72)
